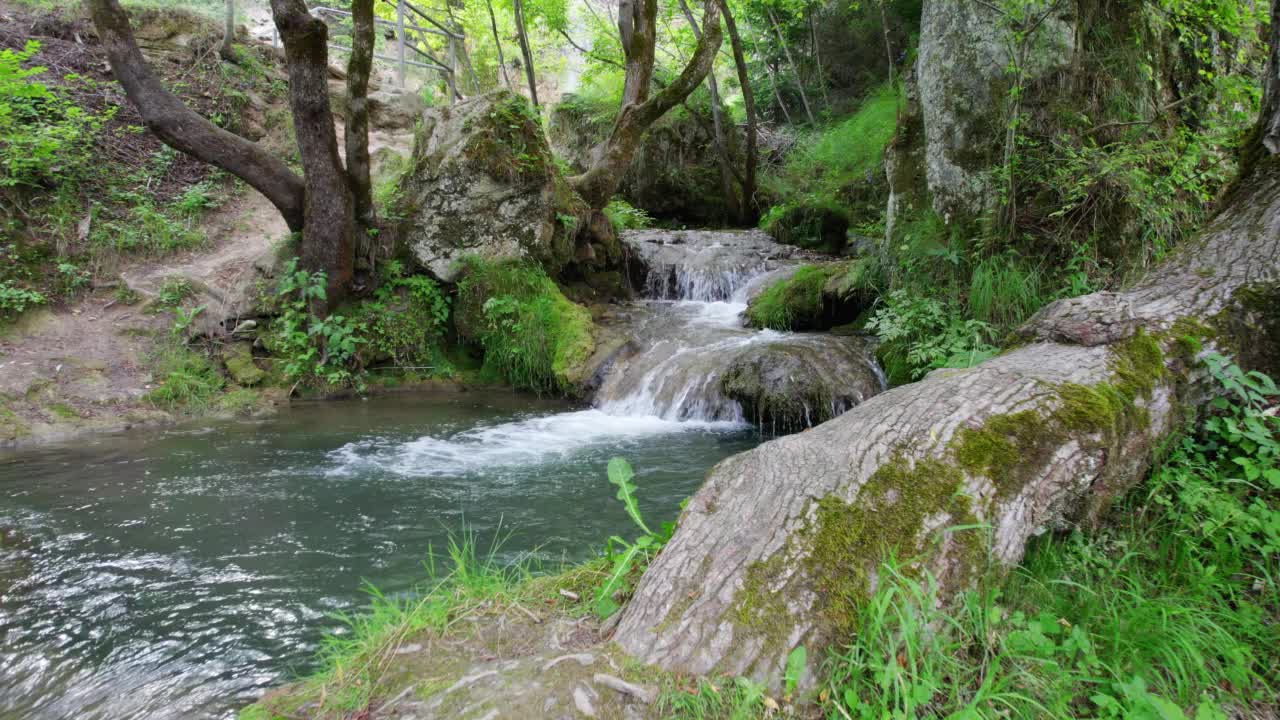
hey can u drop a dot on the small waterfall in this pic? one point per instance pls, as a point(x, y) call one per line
point(688, 333)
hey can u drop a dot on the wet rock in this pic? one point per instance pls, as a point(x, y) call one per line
point(790, 386)
point(238, 358)
point(482, 181)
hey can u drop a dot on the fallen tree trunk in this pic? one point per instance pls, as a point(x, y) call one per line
point(959, 470)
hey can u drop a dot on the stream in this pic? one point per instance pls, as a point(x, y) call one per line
point(181, 573)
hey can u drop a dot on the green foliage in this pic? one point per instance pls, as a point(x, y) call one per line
point(833, 177)
point(45, 138)
point(626, 559)
point(1003, 291)
point(313, 348)
point(794, 672)
point(920, 334)
point(14, 300)
point(186, 379)
point(624, 216)
point(406, 320)
point(532, 336)
point(1166, 612)
point(146, 228)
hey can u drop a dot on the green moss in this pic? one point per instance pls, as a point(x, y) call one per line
point(1138, 364)
point(238, 357)
point(849, 540)
point(64, 411)
point(1004, 448)
point(532, 335)
point(794, 302)
point(11, 426)
point(1090, 408)
point(510, 144)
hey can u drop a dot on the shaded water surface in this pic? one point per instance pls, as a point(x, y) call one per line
point(178, 574)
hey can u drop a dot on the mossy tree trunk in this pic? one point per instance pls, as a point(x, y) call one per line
point(961, 469)
point(637, 27)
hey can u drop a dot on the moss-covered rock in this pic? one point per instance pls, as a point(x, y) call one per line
point(531, 335)
point(815, 297)
point(238, 359)
point(784, 387)
point(482, 182)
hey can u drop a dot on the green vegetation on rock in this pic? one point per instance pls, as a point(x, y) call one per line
point(531, 334)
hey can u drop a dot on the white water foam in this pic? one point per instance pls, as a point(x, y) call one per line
point(532, 441)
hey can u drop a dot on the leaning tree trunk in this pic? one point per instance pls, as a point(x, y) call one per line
point(497, 43)
point(526, 52)
point(328, 232)
point(959, 470)
point(749, 206)
point(185, 130)
point(637, 25)
point(795, 69)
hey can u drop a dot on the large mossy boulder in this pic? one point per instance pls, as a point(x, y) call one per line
point(482, 182)
point(676, 172)
point(964, 81)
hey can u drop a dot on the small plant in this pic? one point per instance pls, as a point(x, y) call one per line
point(71, 279)
point(15, 300)
point(314, 348)
point(920, 334)
point(624, 216)
point(173, 292)
point(626, 557)
point(126, 295)
point(195, 200)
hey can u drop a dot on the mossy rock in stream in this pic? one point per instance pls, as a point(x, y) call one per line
point(816, 297)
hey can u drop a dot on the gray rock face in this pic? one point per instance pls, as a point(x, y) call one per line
point(963, 82)
point(482, 182)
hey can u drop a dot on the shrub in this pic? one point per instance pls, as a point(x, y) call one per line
point(406, 320)
point(45, 138)
point(919, 334)
point(624, 216)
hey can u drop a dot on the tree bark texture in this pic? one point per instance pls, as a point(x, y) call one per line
point(749, 206)
point(637, 26)
point(526, 52)
point(228, 31)
point(781, 542)
point(717, 122)
point(181, 128)
point(356, 130)
point(329, 229)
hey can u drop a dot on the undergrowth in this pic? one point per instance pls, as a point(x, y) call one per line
point(533, 337)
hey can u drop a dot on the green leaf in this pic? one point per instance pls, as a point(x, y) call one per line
point(620, 474)
point(795, 668)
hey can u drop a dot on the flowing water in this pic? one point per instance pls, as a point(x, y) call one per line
point(180, 573)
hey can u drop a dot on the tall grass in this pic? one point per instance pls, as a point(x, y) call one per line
point(1004, 291)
